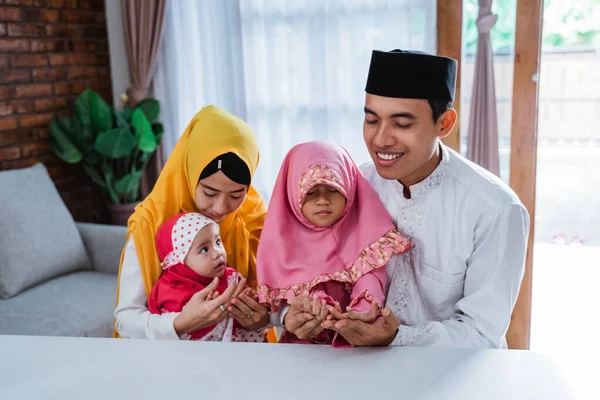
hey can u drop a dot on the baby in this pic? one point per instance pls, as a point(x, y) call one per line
point(192, 256)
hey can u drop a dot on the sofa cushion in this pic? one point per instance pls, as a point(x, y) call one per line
point(78, 304)
point(104, 245)
point(39, 238)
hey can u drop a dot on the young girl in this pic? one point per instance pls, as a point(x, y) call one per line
point(192, 256)
point(326, 235)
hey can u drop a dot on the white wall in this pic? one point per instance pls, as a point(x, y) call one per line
point(118, 56)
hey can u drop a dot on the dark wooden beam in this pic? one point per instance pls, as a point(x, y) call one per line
point(449, 44)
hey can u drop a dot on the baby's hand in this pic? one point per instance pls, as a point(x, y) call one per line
point(251, 293)
point(212, 295)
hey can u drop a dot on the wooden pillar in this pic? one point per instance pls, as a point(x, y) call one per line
point(449, 44)
point(524, 147)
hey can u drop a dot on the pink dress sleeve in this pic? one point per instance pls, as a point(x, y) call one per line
point(368, 287)
point(319, 292)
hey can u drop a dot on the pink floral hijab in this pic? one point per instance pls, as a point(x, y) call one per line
point(294, 255)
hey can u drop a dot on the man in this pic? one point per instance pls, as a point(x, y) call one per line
point(459, 284)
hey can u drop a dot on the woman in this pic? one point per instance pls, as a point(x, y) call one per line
point(209, 171)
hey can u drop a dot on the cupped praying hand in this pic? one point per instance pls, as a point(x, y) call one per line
point(247, 311)
point(308, 317)
point(207, 307)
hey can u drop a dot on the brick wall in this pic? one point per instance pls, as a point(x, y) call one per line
point(50, 52)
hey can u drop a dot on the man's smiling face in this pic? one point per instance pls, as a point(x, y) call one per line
point(402, 137)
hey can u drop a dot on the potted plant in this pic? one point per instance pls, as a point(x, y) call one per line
point(113, 146)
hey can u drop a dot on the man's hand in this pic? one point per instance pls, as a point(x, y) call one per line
point(305, 316)
point(357, 332)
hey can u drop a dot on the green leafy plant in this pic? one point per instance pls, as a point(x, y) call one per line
point(566, 24)
point(113, 146)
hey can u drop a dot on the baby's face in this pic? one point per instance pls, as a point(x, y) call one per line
point(207, 256)
point(323, 206)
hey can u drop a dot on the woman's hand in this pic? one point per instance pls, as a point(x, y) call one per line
point(248, 312)
point(206, 307)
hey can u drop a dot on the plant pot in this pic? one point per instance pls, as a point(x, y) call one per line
point(120, 213)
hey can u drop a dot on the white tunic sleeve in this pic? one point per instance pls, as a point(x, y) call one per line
point(133, 318)
point(492, 281)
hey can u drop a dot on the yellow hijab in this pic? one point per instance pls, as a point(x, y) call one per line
point(211, 132)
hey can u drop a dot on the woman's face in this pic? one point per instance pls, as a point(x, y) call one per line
point(218, 196)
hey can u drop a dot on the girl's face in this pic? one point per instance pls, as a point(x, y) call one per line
point(323, 206)
point(218, 196)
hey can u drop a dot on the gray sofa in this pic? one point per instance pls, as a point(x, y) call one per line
point(57, 277)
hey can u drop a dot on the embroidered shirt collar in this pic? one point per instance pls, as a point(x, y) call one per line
point(433, 180)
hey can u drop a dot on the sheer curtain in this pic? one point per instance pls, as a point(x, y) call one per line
point(295, 70)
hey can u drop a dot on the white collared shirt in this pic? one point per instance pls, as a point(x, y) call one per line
point(459, 284)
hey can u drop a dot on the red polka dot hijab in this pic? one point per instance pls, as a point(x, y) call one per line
point(178, 282)
point(176, 235)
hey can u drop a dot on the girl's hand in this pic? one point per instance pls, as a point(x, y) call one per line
point(248, 312)
point(369, 316)
point(338, 312)
point(206, 307)
point(305, 316)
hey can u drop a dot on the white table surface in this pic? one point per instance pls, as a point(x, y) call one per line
point(85, 368)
